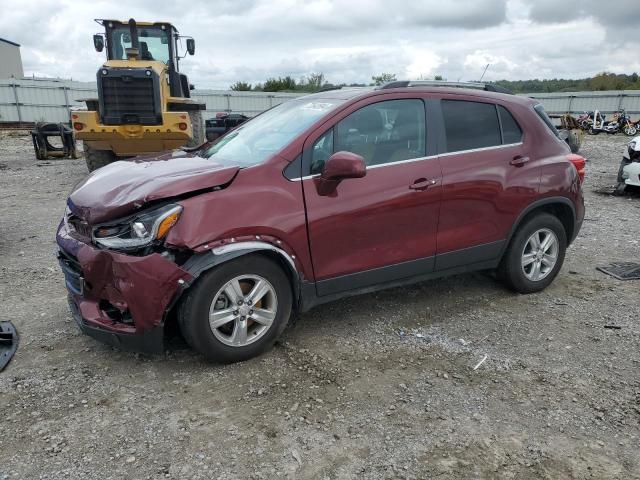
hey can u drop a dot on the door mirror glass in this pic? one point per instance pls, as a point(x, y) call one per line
point(98, 43)
point(191, 46)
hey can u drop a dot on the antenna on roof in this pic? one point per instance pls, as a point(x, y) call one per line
point(485, 71)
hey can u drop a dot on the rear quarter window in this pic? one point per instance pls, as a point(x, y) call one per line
point(511, 131)
point(545, 118)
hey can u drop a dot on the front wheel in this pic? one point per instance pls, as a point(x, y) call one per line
point(535, 255)
point(630, 130)
point(237, 310)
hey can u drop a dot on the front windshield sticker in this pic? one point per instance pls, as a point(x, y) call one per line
point(317, 106)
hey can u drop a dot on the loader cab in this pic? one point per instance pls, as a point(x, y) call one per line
point(146, 41)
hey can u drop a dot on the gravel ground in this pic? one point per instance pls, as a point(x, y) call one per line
point(377, 386)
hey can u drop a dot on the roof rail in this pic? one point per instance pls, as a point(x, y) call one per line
point(488, 87)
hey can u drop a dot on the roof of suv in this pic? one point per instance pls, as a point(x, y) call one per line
point(363, 92)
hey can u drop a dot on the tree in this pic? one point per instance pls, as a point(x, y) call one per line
point(241, 87)
point(314, 82)
point(383, 78)
point(279, 84)
point(438, 77)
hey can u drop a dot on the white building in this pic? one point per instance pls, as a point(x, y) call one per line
point(10, 60)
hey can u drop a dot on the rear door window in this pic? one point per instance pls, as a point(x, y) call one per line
point(470, 125)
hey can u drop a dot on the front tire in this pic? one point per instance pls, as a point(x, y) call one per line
point(535, 254)
point(237, 310)
point(630, 130)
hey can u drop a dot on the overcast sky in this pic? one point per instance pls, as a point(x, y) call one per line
point(347, 40)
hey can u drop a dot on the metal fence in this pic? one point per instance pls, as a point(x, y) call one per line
point(608, 101)
point(32, 100)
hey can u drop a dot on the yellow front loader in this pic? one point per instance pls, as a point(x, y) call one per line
point(143, 103)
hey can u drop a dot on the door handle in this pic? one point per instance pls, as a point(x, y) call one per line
point(519, 160)
point(422, 184)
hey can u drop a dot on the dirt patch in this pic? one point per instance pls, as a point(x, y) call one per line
point(377, 386)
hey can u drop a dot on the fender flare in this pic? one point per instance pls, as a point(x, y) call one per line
point(201, 262)
point(537, 204)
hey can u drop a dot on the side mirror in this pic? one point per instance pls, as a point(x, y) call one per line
point(191, 46)
point(98, 42)
point(340, 166)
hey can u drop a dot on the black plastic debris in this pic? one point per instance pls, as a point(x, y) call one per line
point(622, 270)
point(8, 343)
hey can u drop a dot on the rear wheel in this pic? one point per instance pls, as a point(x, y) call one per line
point(237, 310)
point(97, 158)
point(535, 255)
point(630, 130)
point(197, 126)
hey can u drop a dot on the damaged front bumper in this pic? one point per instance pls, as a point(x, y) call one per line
point(119, 299)
point(629, 173)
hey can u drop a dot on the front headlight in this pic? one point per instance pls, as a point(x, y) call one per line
point(139, 230)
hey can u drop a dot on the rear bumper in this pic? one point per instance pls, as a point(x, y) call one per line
point(119, 299)
point(132, 139)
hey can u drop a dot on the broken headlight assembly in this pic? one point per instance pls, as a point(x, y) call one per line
point(139, 230)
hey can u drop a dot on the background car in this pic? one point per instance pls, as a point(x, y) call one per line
point(222, 123)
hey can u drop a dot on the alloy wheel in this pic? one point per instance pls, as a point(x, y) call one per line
point(243, 310)
point(540, 254)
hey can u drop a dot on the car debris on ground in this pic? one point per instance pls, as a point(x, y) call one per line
point(8, 343)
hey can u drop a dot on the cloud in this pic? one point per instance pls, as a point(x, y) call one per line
point(612, 15)
point(347, 40)
point(467, 14)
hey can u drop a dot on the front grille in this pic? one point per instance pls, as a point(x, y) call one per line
point(129, 100)
point(72, 271)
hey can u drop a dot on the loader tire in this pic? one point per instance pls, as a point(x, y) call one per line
point(197, 125)
point(97, 158)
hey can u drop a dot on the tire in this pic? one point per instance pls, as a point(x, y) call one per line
point(573, 142)
point(593, 131)
point(197, 126)
point(97, 158)
point(194, 311)
point(511, 270)
point(630, 130)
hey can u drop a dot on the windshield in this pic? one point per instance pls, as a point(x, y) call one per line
point(154, 43)
point(268, 133)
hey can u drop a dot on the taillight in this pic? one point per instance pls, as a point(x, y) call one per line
point(578, 162)
point(78, 126)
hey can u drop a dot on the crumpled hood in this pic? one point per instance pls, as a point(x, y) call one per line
point(121, 187)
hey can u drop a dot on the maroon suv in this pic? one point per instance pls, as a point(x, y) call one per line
point(328, 195)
